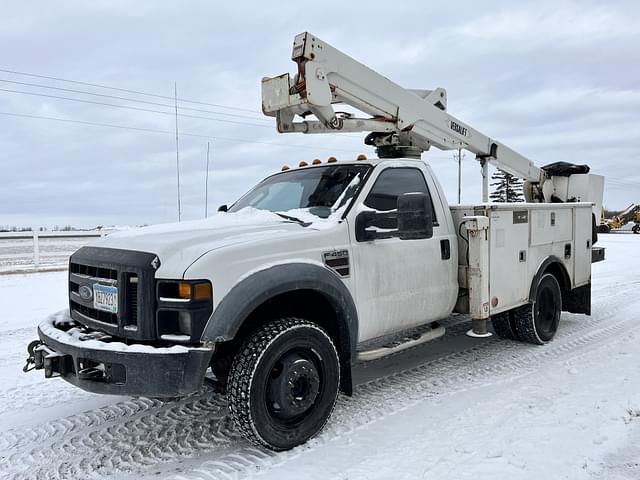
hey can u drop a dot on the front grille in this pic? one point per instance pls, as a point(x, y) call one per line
point(99, 315)
point(97, 272)
point(131, 273)
point(131, 286)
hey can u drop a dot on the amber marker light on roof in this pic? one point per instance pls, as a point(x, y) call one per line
point(332, 160)
point(316, 162)
point(362, 156)
point(284, 168)
point(303, 164)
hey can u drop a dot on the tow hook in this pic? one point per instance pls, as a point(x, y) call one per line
point(31, 360)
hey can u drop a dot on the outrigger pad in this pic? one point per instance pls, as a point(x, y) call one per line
point(565, 169)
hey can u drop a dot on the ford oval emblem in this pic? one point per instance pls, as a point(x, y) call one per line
point(85, 292)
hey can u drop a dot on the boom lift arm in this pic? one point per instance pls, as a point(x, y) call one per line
point(402, 122)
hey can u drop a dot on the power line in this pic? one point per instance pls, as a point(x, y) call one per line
point(622, 181)
point(140, 109)
point(169, 132)
point(116, 97)
point(129, 107)
point(137, 92)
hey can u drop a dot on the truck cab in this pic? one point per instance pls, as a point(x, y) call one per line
point(151, 308)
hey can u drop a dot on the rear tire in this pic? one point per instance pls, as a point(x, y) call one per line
point(283, 383)
point(503, 325)
point(537, 323)
point(636, 228)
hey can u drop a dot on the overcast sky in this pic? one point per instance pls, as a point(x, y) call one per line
point(553, 80)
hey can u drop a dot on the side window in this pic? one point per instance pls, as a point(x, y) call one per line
point(392, 183)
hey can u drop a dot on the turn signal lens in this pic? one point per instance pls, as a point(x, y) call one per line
point(202, 291)
point(184, 291)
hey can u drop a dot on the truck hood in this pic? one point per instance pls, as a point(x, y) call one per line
point(178, 245)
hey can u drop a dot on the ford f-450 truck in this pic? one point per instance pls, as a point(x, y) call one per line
point(326, 264)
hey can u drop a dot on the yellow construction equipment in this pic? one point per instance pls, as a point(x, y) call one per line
point(630, 214)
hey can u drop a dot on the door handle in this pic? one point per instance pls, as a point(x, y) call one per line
point(445, 249)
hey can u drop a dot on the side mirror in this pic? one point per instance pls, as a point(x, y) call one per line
point(372, 225)
point(415, 219)
point(364, 220)
point(223, 208)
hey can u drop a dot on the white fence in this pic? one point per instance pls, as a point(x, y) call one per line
point(34, 251)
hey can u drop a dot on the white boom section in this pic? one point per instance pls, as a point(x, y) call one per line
point(327, 76)
point(402, 122)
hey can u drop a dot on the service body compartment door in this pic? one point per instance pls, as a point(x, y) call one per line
point(551, 225)
point(582, 259)
point(508, 252)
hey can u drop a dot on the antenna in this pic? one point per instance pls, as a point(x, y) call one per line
point(206, 185)
point(175, 98)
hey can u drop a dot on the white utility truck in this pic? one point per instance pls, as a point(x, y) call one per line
point(326, 264)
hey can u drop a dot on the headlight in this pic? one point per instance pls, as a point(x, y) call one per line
point(183, 309)
point(186, 291)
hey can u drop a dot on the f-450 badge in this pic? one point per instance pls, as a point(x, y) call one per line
point(338, 261)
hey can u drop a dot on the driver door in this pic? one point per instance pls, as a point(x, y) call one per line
point(401, 283)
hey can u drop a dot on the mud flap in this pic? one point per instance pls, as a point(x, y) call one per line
point(577, 300)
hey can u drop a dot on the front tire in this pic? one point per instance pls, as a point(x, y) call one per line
point(537, 323)
point(283, 383)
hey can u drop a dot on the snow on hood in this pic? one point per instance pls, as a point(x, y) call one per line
point(180, 244)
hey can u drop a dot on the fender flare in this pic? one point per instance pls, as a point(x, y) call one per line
point(257, 288)
point(565, 281)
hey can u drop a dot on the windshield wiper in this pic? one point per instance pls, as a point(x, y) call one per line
point(293, 219)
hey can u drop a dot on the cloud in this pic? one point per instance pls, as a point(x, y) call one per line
point(554, 80)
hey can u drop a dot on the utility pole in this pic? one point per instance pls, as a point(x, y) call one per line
point(206, 186)
point(459, 173)
point(175, 91)
point(459, 158)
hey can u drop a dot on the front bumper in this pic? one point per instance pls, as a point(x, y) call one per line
point(96, 363)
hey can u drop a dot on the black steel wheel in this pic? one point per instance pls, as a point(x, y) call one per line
point(636, 228)
point(537, 323)
point(283, 383)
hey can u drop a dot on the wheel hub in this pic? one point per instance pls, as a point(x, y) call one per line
point(293, 387)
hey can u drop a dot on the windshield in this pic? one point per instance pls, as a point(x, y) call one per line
point(321, 190)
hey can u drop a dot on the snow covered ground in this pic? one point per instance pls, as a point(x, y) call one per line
point(453, 408)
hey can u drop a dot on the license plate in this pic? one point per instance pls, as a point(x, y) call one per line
point(105, 298)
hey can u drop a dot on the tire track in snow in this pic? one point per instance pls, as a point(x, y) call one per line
point(113, 439)
point(386, 396)
point(43, 394)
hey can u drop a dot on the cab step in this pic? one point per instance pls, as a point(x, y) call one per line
point(434, 331)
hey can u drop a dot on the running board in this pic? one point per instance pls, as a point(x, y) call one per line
point(436, 331)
